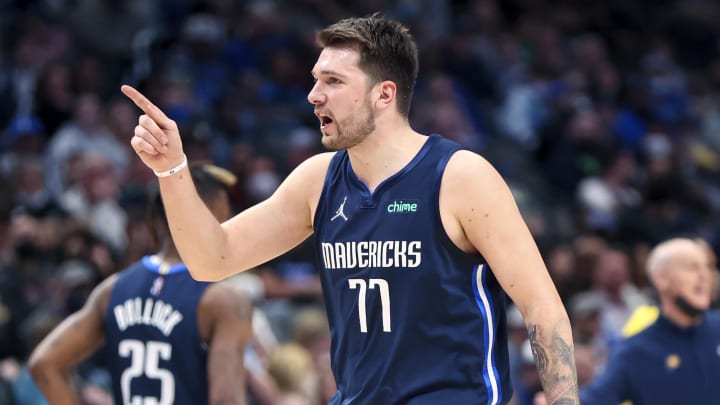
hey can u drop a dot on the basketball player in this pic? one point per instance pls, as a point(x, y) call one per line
point(418, 240)
point(169, 339)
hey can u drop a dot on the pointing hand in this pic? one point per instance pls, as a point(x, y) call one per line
point(156, 139)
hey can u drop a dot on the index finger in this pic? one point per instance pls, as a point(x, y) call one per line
point(146, 105)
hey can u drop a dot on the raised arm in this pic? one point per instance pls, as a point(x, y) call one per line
point(210, 250)
point(486, 219)
point(71, 342)
point(225, 317)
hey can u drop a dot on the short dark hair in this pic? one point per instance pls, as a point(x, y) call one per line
point(209, 182)
point(387, 51)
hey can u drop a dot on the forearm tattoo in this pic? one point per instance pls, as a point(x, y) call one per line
point(555, 363)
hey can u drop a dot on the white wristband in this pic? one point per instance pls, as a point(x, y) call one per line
point(174, 169)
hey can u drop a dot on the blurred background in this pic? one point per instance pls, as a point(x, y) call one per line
point(603, 116)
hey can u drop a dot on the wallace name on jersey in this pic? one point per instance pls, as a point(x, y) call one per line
point(157, 313)
point(372, 254)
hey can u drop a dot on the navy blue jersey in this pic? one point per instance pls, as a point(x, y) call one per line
point(662, 365)
point(414, 320)
point(153, 345)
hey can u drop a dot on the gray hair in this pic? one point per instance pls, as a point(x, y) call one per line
point(663, 254)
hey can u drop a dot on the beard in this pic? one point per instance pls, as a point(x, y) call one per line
point(351, 130)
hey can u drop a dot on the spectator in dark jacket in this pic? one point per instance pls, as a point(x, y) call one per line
point(676, 360)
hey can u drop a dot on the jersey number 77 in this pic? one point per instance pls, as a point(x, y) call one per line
point(362, 286)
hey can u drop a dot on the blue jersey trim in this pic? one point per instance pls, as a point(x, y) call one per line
point(372, 196)
point(442, 233)
point(483, 299)
point(154, 265)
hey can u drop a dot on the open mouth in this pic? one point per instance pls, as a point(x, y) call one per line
point(325, 121)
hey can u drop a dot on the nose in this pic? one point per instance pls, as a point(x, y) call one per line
point(316, 96)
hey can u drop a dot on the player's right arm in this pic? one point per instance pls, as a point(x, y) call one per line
point(71, 342)
point(225, 321)
point(213, 251)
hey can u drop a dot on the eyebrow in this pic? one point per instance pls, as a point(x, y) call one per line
point(329, 72)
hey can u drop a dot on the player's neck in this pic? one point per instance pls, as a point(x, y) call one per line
point(383, 154)
point(168, 255)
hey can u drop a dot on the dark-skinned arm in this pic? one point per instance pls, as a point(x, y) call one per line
point(226, 325)
point(74, 340)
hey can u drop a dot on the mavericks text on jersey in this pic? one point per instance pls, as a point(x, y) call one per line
point(413, 318)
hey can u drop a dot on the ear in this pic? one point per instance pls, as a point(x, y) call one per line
point(661, 280)
point(385, 93)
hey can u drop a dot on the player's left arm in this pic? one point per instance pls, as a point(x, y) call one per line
point(484, 217)
point(226, 325)
point(612, 386)
point(71, 342)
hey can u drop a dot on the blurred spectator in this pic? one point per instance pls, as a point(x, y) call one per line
point(448, 111)
point(292, 367)
point(586, 364)
point(25, 136)
point(680, 272)
point(107, 27)
point(528, 381)
point(54, 96)
point(24, 390)
point(289, 284)
point(311, 331)
point(86, 132)
point(585, 312)
point(573, 154)
point(561, 264)
point(93, 200)
point(605, 198)
point(24, 272)
point(617, 297)
point(198, 60)
point(262, 179)
point(28, 182)
point(34, 44)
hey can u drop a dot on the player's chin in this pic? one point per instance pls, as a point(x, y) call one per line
point(329, 141)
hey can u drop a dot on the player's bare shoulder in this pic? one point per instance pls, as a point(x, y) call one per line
point(99, 299)
point(469, 172)
point(465, 165)
point(223, 301)
point(308, 177)
point(224, 296)
point(471, 188)
point(314, 166)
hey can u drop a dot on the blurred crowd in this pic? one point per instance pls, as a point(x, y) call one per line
point(604, 117)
